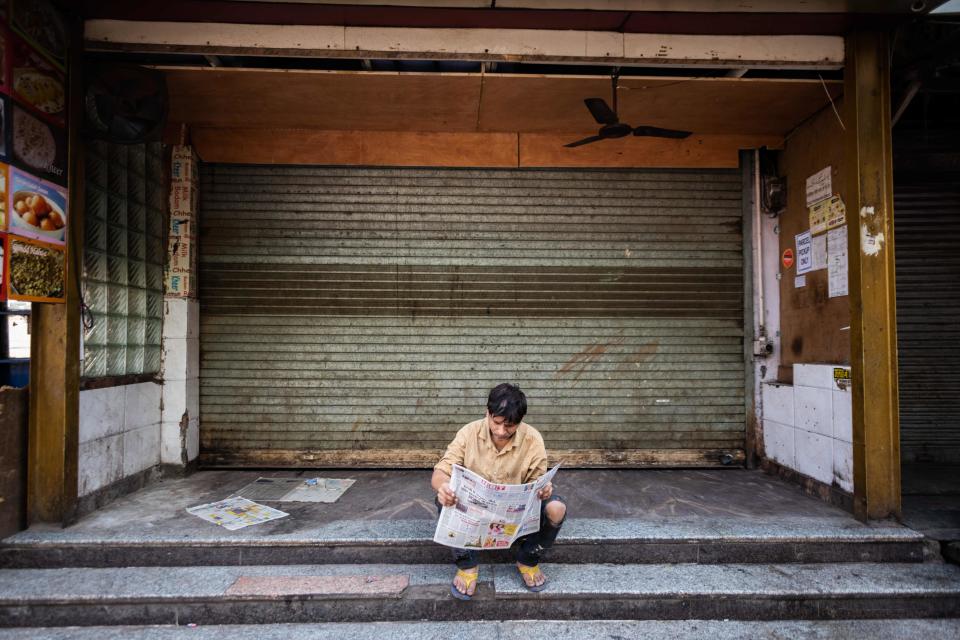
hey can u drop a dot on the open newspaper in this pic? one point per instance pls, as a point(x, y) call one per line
point(488, 515)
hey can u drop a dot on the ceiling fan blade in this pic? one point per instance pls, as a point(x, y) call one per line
point(579, 143)
point(657, 132)
point(600, 111)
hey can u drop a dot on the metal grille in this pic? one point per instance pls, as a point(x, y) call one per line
point(372, 309)
point(928, 308)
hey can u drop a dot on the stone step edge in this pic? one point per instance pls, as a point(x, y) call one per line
point(607, 582)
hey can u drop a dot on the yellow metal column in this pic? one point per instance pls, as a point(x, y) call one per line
point(52, 452)
point(873, 325)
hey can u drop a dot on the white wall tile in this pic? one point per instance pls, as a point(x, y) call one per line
point(842, 415)
point(174, 358)
point(141, 449)
point(180, 396)
point(193, 358)
point(181, 318)
point(813, 375)
point(193, 439)
point(171, 447)
point(100, 462)
point(181, 358)
point(174, 318)
point(814, 410)
point(142, 405)
point(101, 413)
point(843, 465)
point(814, 455)
point(778, 443)
point(778, 403)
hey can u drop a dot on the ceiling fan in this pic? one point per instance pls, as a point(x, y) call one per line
point(613, 128)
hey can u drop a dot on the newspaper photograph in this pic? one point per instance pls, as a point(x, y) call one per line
point(236, 513)
point(489, 515)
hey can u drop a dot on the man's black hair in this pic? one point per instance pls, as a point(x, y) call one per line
point(508, 402)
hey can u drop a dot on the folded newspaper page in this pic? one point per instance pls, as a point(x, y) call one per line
point(488, 515)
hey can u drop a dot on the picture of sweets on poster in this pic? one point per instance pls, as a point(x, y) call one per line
point(38, 209)
point(39, 23)
point(38, 146)
point(34, 271)
point(36, 82)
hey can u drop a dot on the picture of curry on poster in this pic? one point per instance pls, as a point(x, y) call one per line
point(489, 515)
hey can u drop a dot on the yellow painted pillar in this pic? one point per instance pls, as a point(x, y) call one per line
point(52, 452)
point(873, 321)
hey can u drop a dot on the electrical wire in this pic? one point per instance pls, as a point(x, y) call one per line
point(830, 98)
point(86, 315)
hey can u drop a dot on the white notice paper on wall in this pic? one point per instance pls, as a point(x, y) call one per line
point(819, 186)
point(819, 252)
point(837, 261)
point(799, 282)
point(804, 252)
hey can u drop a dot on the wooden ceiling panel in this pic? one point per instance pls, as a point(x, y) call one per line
point(494, 103)
point(723, 105)
point(703, 105)
point(324, 100)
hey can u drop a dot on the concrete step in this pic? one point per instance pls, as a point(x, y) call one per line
point(528, 629)
point(583, 540)
point(393, 592)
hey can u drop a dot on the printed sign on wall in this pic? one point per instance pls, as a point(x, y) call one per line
point(39, 23)
point(33, 138)
point(36, 83)
point(38, 209)
point(819, 186)
point(38, 146)
point(35, 271)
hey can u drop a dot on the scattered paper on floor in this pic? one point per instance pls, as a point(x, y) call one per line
point(268, 489)
point(236, 513)
point(296, 489)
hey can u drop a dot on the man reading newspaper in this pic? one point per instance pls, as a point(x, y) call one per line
point(502, 449)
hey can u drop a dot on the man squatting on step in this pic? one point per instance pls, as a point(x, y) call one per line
point(504, 450)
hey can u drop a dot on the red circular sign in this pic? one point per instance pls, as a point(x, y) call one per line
point(787, 258)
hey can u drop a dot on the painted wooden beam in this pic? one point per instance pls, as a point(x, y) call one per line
point(450, 149)
point(355, 148)
point(873, 326)
point(514, 45)
point(54, 421)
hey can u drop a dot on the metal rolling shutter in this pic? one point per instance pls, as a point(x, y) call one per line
point(359, 316)
point(927, 219)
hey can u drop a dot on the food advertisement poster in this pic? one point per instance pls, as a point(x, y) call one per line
point(38, 146)
point(36, 83)
point(4, 176)
point(40, 24)
point(4, 37)
point(3, 267)
point(34, 271)
point(38, 209)
point(5, 128)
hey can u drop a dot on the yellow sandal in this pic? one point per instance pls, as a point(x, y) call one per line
point(468, 579)
point(531, 572)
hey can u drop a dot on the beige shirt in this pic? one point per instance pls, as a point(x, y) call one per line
point(522, 460)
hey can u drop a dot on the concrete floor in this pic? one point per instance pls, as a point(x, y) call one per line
point(529, 629)
point(690, 503)
point(931, 500)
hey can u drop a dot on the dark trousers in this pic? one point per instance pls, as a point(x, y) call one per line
point(527, 549)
